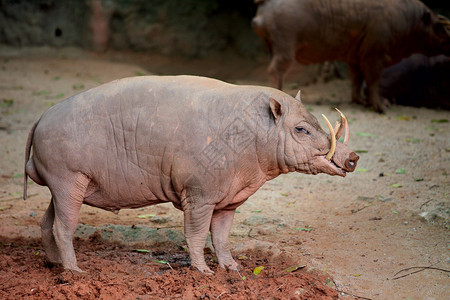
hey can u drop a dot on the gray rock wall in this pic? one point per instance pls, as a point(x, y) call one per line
point(38, 23)
point(175, 27)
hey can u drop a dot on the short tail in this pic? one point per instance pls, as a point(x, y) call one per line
point(27, 157)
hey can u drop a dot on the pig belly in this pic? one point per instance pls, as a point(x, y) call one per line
point(97, 197)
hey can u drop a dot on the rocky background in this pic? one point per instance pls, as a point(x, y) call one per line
point(191, 28)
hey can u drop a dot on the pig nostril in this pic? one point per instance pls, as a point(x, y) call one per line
point(350, 163)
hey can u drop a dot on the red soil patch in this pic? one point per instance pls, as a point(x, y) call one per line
point(120, 272)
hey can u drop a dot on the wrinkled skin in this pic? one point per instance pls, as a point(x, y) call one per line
point(368, 35)
point(202, 144)
point(418, 80)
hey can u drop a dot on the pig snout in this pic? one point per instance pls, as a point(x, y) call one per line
point(350, 162)
point(344, 159)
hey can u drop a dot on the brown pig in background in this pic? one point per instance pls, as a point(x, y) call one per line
point(202, 144)
point(368, 35)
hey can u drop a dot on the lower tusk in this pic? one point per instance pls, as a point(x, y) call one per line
point(333, 140)
point(346, 128)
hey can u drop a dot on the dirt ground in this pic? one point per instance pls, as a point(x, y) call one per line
point(360, 236)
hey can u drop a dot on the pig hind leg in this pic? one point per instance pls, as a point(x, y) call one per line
point(68, 192)
point(220, 228)
point(48, 239)
point(279, 65)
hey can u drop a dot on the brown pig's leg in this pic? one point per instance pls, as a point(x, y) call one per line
point(220, 228)
point(277, 68)
point(357, 80)
point(372, 75)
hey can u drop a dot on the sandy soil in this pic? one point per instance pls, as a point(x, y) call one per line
point(353, 234)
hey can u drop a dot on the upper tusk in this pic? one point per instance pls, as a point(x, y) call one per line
point(333, 140)
point(337, 126)
point(344, 128)
point(340, 130)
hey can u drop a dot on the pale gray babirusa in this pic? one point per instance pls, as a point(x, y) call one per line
point(200, 143)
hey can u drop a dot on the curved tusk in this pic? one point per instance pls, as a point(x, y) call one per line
point(337, 127)
point(333, 140)
point(346, 128)
point(340, 130)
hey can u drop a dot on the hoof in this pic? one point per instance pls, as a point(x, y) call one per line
point(379, 108)
point(232, 267)
point(204, 269)
point(208, 272)
point(380, 105)
point(359, 101)
point(74, 270)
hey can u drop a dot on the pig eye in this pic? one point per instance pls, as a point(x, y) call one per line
point(302, 130)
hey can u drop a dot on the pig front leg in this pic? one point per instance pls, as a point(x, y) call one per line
point(372, 75)
point(220, 228)
point(357, 79)
point(197, 219)
point(279, 65)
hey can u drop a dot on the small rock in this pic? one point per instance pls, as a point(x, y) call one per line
point(300, 292)
point(406, 222)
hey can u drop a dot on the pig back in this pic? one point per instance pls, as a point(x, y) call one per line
point(347, 30)
point(141, 139)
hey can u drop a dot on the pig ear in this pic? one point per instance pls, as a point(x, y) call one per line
point(276, 107)
point(298, 97)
